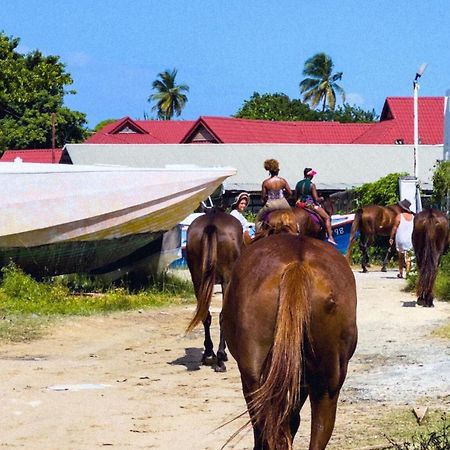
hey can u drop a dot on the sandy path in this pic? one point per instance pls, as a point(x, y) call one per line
point(134, 380)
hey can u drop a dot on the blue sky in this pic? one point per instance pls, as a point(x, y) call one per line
point(226, 50)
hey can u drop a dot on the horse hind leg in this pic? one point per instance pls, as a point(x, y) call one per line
point(363, 244)
point(294, 419)
point(323, 416)
point(387, 258)
point(209, 357)
point(222, 356)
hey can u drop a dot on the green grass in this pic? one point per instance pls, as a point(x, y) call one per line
point(27, 307)
point(432, 434)
point(442, 332)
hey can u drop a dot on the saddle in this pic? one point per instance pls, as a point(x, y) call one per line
point(314, 216)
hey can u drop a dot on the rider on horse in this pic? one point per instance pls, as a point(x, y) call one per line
point(306, 197)
point(273, 192)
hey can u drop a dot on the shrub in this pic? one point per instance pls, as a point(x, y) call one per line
point(442, 285)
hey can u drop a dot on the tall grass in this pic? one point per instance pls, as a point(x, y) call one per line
point(436, 437)
point(27, 306)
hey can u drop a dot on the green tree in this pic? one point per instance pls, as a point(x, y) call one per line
point(276, 106)
point(441, 185)
point(349, 114)
point(320, 85)
point(103, 124)
point(169, 96)
point(383, 192)
point(32, 87)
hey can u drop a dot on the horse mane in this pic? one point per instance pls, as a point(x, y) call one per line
point(277, 221)
point(279, 391)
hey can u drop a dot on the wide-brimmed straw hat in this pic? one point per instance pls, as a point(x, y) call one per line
point(239, 197)
point(405, 205)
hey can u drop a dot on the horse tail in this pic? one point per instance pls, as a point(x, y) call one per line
point(273, 402)
point(427, 257)
point(353, 231)
point(209, 267)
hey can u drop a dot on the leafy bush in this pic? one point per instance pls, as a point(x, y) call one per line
point(442, 285)
point(441, 183)
point(383, 192)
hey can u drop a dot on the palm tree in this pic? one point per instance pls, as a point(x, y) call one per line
point(169, 97)
point(321, 86)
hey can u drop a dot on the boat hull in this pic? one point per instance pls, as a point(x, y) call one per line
point(65, 219)
point(341, 226)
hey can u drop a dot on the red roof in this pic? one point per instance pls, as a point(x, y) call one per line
point(229, 130)
point(395, 126)
point(35, 155)
point(397, 122)
point(129, 131)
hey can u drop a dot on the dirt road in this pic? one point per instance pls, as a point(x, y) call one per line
point(133, 380)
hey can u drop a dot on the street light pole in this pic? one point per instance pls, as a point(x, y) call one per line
point(416, 88)
point(419, 73)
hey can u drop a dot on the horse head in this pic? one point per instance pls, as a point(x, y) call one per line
point(328, 206)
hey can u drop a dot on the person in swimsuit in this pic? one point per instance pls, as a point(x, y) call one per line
point(306, 197)
point(273, 191)
point(402, 231)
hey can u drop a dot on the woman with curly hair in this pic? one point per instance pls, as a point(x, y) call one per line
point(273, 191)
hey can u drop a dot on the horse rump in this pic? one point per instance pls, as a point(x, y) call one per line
point(430, 240)
point(291, 304)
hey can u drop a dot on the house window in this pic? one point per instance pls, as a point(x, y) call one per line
point(127, 130)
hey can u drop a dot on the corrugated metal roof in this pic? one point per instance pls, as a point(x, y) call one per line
point(37, 155)
point(338, 166)
point(129, 131)
point(396, 124)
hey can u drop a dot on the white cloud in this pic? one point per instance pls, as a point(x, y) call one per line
point(23, 49)
point(354, 99)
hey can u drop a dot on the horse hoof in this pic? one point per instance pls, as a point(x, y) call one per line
point(383, 269)
point(220, 368)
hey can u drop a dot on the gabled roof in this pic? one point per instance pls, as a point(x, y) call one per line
point(38, 155)
point(395, 126)
point(228, 130)
point(397, 122)
point(129, 131)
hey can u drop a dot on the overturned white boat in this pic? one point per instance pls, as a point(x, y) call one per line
point(58, 218)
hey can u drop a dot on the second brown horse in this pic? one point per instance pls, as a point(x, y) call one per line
point(213, 244)
point(371, 221)
point(430, 239)
point(289, 318)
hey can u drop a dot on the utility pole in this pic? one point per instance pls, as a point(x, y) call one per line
point(53, 136)
point(416, 87)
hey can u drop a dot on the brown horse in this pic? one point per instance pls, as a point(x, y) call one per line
point(371, 221)
point(213, 244)
point(308, 223)
point(289, 318)
point(430, 240)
